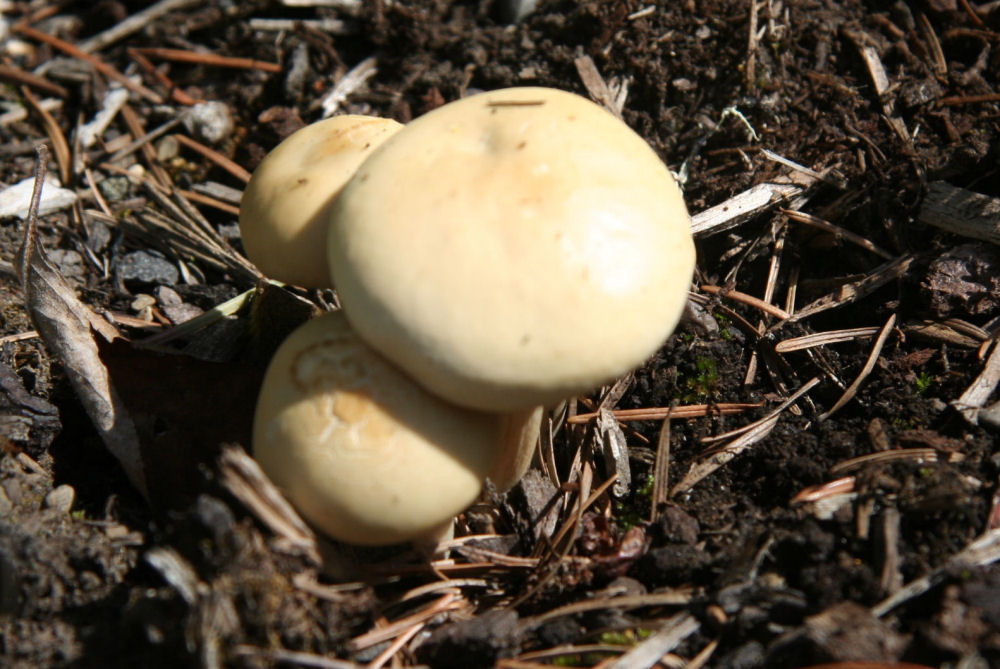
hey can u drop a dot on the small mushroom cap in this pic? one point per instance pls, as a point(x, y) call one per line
point(533, 247)
point(363, 452)
point(283, 217)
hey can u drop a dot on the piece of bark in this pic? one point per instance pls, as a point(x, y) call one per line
point(961, 211)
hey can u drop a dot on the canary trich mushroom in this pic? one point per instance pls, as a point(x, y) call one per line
point(364, 453)
point(512, 248)
point(283, 217)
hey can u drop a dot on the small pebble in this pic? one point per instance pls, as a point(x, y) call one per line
point(181, 312)
point(168, 297)
point(115, 189)
point(210, 121)
point(142, 301)
point(61, 498)
point(69, 262)
point(167, 149)
point(148, 267)
point(99, 236)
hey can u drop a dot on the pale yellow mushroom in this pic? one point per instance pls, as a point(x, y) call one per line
point(365, 454)
point(512, 249)
point(284, 211)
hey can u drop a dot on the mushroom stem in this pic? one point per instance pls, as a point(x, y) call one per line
point(520, 431)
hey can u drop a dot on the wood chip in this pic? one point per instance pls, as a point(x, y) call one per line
point(962, 212)
point(975, 396)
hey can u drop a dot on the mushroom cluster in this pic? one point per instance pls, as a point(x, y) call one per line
point(502, 252)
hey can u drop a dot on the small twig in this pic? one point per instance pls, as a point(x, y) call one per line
point(772, 414)
point(146, 138)
point(815, 493)
point(210, 201)
point(447, 602)
point(956, 100)
point(16, 75)
point(216, 157)
point(823, 339)
point(940, 63)
point(660, 413)
point(838, 231)
point(676, 597)
point(133, 23)
point(741, 207)
point(661, 471)
point(210, 59)
point(648, 652)
point(350, 82)
point(135, 127)
point(245, 480)
point(595, 85)
point(918, 455)
point(749, 300)
point(983, 551)
point(853, 291)
point(59, 144)
point(865, 371)
point(175, 92)
point(94, 61)
point(749, 435)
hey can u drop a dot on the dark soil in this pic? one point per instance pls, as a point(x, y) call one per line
point(91, 574)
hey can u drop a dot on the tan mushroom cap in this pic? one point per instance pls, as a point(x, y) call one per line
point(363, 452)
point(513, 248)
point(283, 217)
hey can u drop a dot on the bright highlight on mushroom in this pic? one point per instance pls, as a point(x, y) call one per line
point(284, 212)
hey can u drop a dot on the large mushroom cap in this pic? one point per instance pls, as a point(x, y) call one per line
point(283, 217)
point(362, 451)
point(513, 248)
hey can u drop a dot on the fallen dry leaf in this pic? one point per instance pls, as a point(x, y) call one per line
point(67, 327)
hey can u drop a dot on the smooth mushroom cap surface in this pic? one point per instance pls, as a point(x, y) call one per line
point(364, 453)
point(533, 247)
point(283, 213)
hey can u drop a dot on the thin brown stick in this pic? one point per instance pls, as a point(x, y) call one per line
point(135, 127)
point(211, 202)
point(659, 413)
point(837, 231)
point(823, 339)
point(16, 75)
point(176, 93)
point(59, 144)
point(133, 23)
point(661, 471)
point(96, 62)
point(773, 414)
point(676, 597)
point(211, 59)
point(749, 300)
point(865, 371)
point(447, 602)
point(969, 99)
point(216, 157)
point(971, 12)
point(919, 455)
